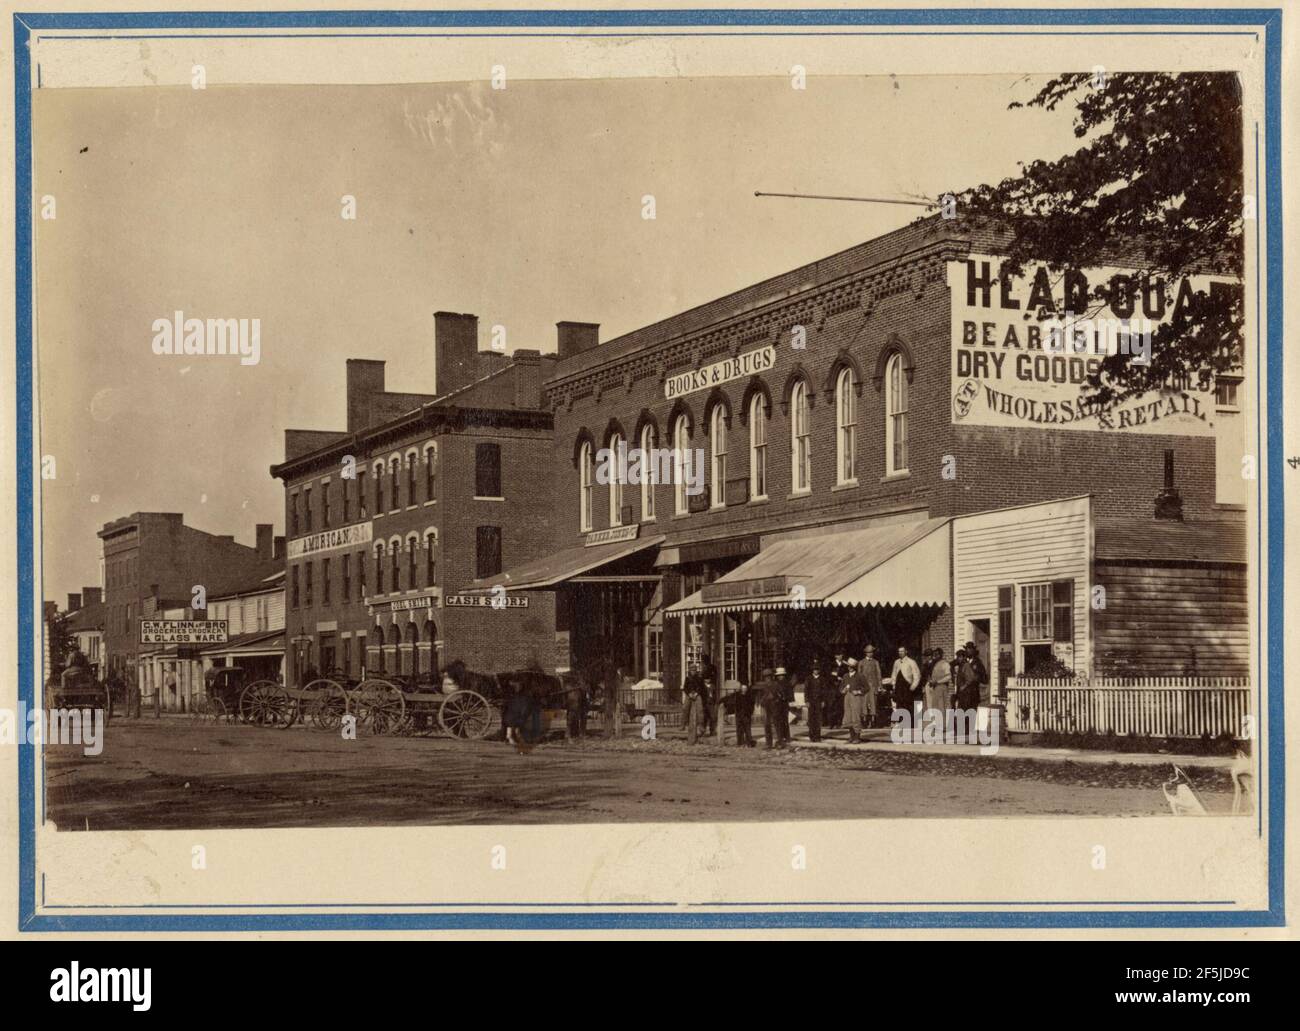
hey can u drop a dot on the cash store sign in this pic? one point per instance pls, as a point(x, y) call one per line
point(1024, 347)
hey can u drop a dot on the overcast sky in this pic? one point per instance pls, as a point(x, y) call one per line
point(522, 206)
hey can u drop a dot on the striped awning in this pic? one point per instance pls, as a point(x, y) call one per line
point(891, 565)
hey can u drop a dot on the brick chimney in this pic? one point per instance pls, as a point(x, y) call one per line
point(265, 535)
point(365, 380)
point(455, 346)
point(1169, 503)
point(74, 602)
point(91, 596)
point(576, 337)
point(528, 379)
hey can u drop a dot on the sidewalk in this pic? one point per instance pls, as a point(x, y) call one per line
point(877, 740)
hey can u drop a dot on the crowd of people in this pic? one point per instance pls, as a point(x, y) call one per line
point(843, 692)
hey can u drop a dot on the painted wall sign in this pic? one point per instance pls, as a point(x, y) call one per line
point(1023, 347)
point(183, 631)
point(706, 376)
point(329, 540)
point(767, 587)
point(484, 601)
point(609, 536)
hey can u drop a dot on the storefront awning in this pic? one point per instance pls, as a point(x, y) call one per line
point(259, 642)
point(903, 564)
point(545, 573)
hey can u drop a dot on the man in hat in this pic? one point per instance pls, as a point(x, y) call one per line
point(869, 669)
point(978, 669)
point(693, 702)
point(854, 692)
point(776, 724)
point(833, 708)
point(744, 702)
point(815, 691)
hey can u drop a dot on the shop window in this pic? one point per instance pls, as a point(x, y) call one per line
point(587, 486)
point(617, 474)
point(718, 456)
point(757, 448)
point(1035, 613)
point(896, 407)
point(649, 472)
point(693, 640)
point(488, 551)
point(487, 471)
point(846, 422)
point(681, 460)
point(654, 650)
point(800, 440)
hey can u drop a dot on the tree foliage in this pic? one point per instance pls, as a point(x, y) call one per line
point(1156, 186)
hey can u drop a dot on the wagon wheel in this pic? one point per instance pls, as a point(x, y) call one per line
point(198, 710)
point(266, 704)
point(328, 705)
point(466, 714)
point(381, 706)
point(216, 710)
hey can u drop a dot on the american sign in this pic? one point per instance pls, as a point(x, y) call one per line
point(183, 631)
point(1006, 371)
point(483, 601)
point(711, 375)
point(329, 540)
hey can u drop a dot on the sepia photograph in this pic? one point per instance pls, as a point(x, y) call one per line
point(608, 429)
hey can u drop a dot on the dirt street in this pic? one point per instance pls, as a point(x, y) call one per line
point(176, 774)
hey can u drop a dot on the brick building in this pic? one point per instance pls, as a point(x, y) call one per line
point(152, 562)
point(851, 436)
point(389, 519)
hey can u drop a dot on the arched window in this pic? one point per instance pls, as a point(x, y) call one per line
point(649, 468)
point(587, 486)
point(430, 558)
point(379, 565)
point(896, 416)
point(379, 488)
point(395, 480)
point(757, 447)
point(846, 429)
point(718, 457)
point(800, 440)
point(430, 471)
point(412, 559)
point(617, 473)
point(395, 552)
point(410, 478)
point(681, 464)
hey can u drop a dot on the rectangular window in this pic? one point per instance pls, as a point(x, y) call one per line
point(410, 479)
point(347, 656)
point(654, 651)
point(430, 473)
point(307, 573)
point(1004, 615)
point(361, 493)
point(379, 570)
point(325, 505)
point(379, 490)
point(294, 595)
point(488, 541)
point(487, 471)
point(1063, 611)
point(1225, 392)
point(346, 561)
point(397, 568)
point(325, 581)
point(306, 509)
point(395, 484)
point(412, 561)
point(430, 562)
point(293, 522)
point(347, 500)
point(1035, 613)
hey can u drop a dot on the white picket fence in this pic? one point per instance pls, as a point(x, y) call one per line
point(1140, 706)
